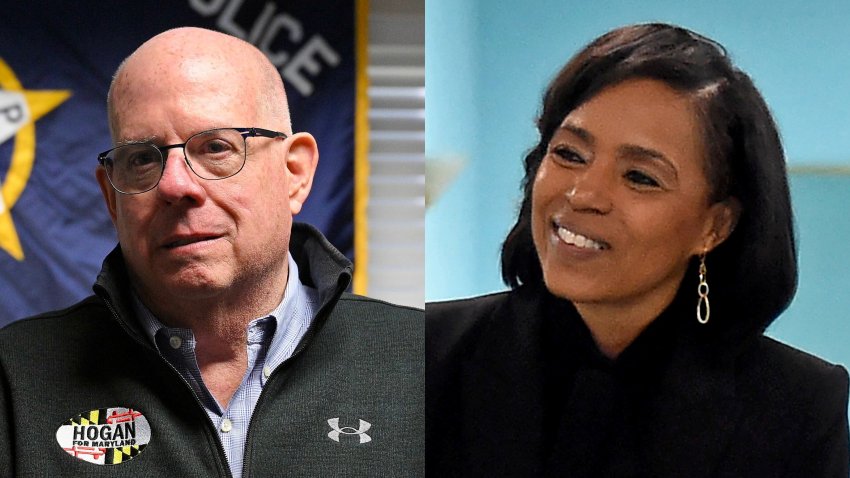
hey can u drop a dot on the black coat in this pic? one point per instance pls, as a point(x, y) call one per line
point(514, 389)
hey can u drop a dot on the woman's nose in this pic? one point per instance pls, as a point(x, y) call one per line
point(591, 191)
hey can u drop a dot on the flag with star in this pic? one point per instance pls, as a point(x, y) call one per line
point(56, 62)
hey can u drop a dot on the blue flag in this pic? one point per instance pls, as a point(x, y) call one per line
point(56, 62)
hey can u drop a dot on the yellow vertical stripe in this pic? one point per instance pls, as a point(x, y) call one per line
point(361, 148)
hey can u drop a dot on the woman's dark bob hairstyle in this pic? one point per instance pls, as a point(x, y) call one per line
point(753, 274)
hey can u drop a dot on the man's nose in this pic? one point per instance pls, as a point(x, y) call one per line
point(178, 181)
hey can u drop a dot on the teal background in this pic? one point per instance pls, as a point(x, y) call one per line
point(488, 62)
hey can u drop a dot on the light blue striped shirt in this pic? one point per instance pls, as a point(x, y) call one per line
point(271, 340)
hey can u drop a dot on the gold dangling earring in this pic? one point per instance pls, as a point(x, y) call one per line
point(702, 290)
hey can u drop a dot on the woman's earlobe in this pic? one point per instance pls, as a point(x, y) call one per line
point(724, 221)
point(732, 212)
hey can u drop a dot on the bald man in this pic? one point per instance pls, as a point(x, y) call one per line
point(220, 340)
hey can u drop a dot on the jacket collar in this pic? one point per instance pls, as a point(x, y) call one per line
point(320, 266)
point(689, 419)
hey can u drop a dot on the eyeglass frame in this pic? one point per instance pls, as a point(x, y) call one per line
point(244, 131)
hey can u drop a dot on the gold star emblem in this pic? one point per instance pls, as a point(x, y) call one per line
point(19, 110)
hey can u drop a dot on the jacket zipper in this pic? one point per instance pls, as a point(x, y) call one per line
point(308, 337)
point(107, 301)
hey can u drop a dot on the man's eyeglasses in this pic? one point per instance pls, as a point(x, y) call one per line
point(219, 153)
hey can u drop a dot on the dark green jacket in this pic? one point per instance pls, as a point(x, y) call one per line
point(361, 359)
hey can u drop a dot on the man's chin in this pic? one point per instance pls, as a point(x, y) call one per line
point(195, 286)
point(185, 283)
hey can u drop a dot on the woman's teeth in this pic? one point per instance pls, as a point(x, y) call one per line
point(578, 240)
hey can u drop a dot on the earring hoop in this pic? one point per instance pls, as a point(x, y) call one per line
point(702, 291)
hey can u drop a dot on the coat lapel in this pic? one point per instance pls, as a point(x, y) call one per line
point(503, 402)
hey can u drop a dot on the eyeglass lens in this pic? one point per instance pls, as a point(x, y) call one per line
point(215, 154)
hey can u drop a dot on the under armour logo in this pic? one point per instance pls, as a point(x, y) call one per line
point(334, 434)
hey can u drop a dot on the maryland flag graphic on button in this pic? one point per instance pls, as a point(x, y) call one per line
point(106, 436)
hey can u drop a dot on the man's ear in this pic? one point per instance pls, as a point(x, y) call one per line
point(302, 157)
point(723, 217)
point(108, 192)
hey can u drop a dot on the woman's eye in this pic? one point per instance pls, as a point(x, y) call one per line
point(641, 179)
point(568, 155)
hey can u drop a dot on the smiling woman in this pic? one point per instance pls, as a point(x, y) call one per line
point(658, 170)
point(630, 160)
